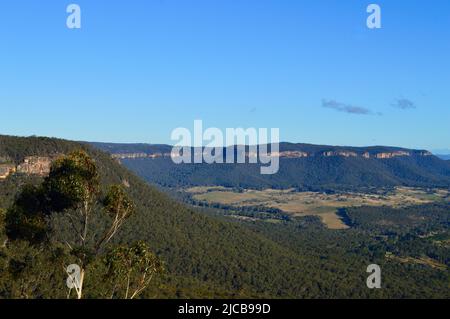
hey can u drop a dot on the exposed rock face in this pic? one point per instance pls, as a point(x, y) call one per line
point(291, 154)
point(392, 154)
point(340, 153)
point(35, 165)
point(287, 154)
point(139, 155)
point(130, 155)
point(424, 153)
point(6, 170)
point(294, 154)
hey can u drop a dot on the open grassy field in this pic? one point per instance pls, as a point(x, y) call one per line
point(317, 204)
point(419, 261)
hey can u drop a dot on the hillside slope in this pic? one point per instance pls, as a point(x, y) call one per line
point(302, 166)
point(195, 247)
point(445, 157)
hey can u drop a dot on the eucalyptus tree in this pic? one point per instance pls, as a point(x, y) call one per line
point(72, 190)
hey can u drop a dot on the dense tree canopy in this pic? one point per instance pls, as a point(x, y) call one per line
point(205, 253)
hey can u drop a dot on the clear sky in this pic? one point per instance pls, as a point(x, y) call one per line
point(136, 70)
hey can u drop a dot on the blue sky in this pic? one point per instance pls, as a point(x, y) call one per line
point(138, 69)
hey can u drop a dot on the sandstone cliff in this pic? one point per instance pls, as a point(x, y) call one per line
point(32, 165)
point(35, 165)
point(294, 154)
point(6, 170)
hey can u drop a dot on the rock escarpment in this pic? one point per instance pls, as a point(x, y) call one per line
point(6, 170)
point(295, 154)
point(31, 165)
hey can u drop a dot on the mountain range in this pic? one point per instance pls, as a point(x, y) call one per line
point(302, 166)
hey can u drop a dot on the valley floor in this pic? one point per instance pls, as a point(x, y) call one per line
point(323, 205)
